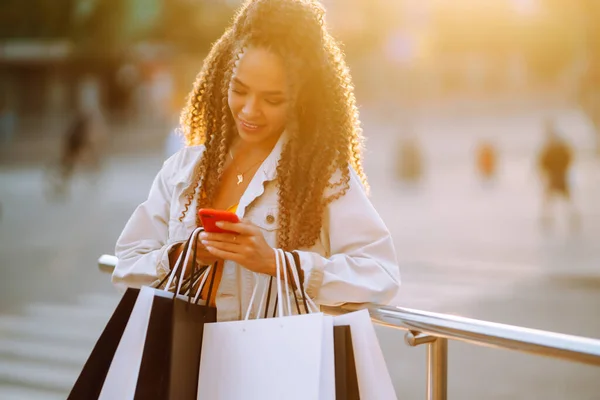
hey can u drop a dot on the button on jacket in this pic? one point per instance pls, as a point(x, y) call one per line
point(353, 261)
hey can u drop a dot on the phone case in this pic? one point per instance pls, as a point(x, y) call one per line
point(210, 217)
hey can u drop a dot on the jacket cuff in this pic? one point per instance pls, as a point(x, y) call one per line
point(313, 271)
point(163, 266)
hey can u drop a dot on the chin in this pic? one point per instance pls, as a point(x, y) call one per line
point(251, 138)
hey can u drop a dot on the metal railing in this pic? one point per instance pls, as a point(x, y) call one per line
point(434, 330)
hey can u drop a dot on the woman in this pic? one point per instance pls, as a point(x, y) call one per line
point(273, 134)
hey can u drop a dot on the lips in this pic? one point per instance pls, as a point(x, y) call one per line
point(249, 126)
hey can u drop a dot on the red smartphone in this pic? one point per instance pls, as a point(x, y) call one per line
point(210, 217)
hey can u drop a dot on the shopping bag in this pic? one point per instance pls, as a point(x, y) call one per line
point(92, 376)
point(186, 347)
point(346, 383)
point(374, 381)
point(142, 367)
point(122, 375)
point(372, 375)
point(172, 348)
point(171, 356)
point(269, 359)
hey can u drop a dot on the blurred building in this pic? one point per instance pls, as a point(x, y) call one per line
point(438, 48)
point(125, 53)
point(150, 50)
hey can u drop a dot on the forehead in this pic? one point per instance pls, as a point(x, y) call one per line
point(261, 70)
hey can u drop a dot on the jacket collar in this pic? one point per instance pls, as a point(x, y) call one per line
point(267, 172)
point(269, 166)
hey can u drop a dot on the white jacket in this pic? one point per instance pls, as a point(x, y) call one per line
point(352, 262)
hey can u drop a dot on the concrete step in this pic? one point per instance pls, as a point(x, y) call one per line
point(43, 349)
point(32, 349)
point(46, 377)
point(46, 329)
point(12, 392)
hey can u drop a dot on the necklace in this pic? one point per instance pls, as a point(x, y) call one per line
point(240, 175)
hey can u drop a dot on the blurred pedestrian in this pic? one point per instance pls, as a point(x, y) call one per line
point(409, 161)
point(554, 162)
point(82, 146)
point(487, 160)
point(84, 139)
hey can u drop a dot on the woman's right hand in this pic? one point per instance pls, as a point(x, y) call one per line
point(203, 257)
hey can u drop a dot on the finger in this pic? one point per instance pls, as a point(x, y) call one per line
point(201, 250)
point(230, 247)
point(243, 227)
point(220, 237)
point(225, 255)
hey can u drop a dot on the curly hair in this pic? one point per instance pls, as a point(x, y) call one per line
point(324, 127)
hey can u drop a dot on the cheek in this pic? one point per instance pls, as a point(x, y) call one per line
point(234, 105)
point(278, 117)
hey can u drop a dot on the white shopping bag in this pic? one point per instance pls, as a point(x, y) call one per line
point(121, 379)
point(284, 358)
point(374, 381)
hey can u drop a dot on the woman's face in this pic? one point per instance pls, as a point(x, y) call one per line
point(258, 95)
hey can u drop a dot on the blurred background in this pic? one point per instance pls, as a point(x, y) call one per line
point(482, 120)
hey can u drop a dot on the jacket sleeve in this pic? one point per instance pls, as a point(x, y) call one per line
point(142, 250)
point(362, 265)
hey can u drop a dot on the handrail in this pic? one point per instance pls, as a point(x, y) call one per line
point(107, 263)
point(435, 329)
point(483, 333)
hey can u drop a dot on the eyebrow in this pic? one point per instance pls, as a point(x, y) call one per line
point(267, 92)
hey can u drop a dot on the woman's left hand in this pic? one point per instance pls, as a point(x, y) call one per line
point(246, 246)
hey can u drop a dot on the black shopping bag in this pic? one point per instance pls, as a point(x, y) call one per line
point(346, 381)
point(91, 379)
point(171, 357)
point(186, 347)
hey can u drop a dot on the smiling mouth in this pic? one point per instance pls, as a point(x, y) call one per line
point(248, 125)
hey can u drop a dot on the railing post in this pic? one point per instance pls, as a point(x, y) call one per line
point(437, 363)
point(437, 369)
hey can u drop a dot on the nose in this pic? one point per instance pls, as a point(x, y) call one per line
point(251, 109)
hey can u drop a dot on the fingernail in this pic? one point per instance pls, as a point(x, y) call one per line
point(205, 242)
point(219, 224)
point(203, 235)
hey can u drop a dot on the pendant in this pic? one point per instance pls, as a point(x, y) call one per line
point(240, 178)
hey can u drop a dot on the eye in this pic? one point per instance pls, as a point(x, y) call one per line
point(275, 102)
